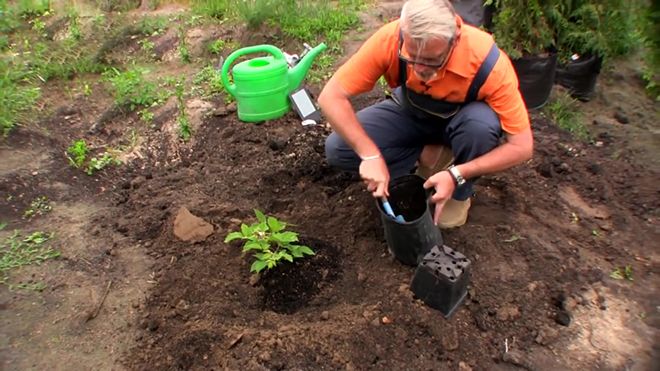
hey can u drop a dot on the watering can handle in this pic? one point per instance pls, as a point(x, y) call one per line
point(270, 49)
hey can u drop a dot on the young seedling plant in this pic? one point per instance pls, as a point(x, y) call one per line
point(269, 242)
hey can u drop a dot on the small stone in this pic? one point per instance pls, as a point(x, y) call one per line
point(450, 339)
point(508, 312)
point(264, 357)
point(595, 169)
point(153, 325)
point(462, 366)
point(361, 277)
point(325, 315)
point(386, 320)
point(569, 304)
point(138, 181)
point(191, 228)
point(621, 117)
point(547, 335)
point(545, 169)
point(564, 167)
point(563, 318)
point(254, 279)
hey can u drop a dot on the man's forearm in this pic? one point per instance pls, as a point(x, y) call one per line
point(340, 114)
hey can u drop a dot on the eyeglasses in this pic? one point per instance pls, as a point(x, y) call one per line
point(436, 65)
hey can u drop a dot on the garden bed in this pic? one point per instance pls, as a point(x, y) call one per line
point(543, 240)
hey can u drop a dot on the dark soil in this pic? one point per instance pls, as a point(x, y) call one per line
point(360, 313)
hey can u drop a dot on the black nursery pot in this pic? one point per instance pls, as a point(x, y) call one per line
point(579, 76)
point(475, 12)
point(411, 240)
point(536, 75)
point(441, 279)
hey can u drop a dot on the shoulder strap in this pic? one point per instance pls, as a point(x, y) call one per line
point(482, 74)
point(403, 66)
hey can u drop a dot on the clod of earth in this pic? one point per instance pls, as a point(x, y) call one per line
point(188, 227)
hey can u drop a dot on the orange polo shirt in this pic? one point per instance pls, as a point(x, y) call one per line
point(378, 56)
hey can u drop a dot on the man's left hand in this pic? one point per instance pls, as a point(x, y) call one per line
point(444, 186)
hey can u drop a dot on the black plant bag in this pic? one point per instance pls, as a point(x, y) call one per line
point(579, 76)
point(475, 13)
point(536, 75)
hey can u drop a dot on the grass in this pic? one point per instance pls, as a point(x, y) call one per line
point(565, 112)
point(17, 251)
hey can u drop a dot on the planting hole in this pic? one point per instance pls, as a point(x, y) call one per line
point(447, 268)
point(453, 262)
point(452, 278)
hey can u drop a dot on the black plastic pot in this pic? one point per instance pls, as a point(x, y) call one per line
point(536, 75)
point(474, 12)
point(579, 76)
point(441, 279)
point(411, 240)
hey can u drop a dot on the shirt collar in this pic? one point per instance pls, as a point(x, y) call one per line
point(459, 59)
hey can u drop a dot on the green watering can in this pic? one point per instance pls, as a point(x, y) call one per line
point(262, 85)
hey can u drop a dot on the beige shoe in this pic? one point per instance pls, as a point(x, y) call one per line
point(454, 214)
point(434, 158)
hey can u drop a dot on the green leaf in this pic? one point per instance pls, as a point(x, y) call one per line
point(275, 225)
point(253, 245)
point(288, 257)
point(232, 236)
point(306, 250)
point(246, 230)
point(285, 237)
point(260, 216)
point(3, 225)
point(258, 266)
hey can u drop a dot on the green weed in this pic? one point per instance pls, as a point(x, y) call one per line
point(74, 26)
point(33, 8)
point(132, 90)
point(207, 82)
point(77, 153)
point(39, 206)
point(217, 9)
point(184, 52)
point(152, 26)
point(183, 122)
point(216, 46)
point(564, 111)
point(100, 163)
point(269, 241)
point(621, 273)
point(17, 251)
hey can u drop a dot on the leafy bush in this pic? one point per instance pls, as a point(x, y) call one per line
point(269, 241)
point(603, 28)
point(521, 27)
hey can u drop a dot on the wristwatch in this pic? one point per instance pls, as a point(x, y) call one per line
point(458, 178)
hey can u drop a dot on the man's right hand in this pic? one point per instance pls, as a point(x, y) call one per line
point(376, 176)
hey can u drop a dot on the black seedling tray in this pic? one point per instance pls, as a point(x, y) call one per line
point(441, 279)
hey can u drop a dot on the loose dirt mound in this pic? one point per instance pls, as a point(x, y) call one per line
point(539, 236)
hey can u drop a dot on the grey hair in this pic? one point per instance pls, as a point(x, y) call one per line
point(426, 19)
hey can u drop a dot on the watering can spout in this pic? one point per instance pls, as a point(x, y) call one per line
point(299, 71)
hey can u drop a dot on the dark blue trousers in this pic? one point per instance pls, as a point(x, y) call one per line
point(401, 136)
